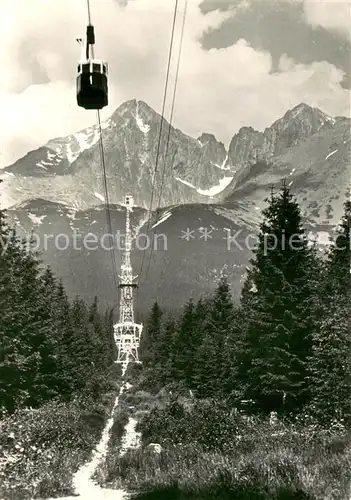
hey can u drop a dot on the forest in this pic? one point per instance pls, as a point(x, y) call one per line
point(248, 399)
point(285, 347)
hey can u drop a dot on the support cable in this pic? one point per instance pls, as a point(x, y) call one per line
point(170, 124)
point(161, 124)
point(89, 15)
point(104, 176)
point(108, 210)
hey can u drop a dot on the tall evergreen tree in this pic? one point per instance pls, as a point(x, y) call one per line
point(339, 256)
point(279, 310)
point(151, 335)
point(165, 348)
point(48, 348)
point(330, 365)
point(185, 345)
point(212, 369)
point(28, 364)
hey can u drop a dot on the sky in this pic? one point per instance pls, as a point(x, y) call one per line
point(243, 63)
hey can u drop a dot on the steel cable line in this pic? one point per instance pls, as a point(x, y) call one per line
point(161, 124)
point(108, 211)
point(170, 122)
point(89, 15)
point(104, 177)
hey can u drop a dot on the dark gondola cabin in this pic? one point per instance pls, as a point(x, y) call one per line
point(92, 88)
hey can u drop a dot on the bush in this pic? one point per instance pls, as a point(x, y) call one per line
point(215, 426)
point(187, 472)
point(40, 449)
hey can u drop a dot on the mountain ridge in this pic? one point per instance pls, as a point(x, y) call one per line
point(191, 245)
point(68, 169)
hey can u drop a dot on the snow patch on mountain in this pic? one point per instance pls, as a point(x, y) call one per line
point(70, 155)
point(223, 183)
point(224, 165)
point(35, 219)
point(330, 154)
point(99, 196)
point(71, 214)
point(185, 182)
point(140, 122)
point(330, 119)
point(72, 146)
point(82, 141)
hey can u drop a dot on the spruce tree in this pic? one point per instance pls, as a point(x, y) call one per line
point(48, 348)
point(330, 365)
point(97, 335)
point(28, 370)
point(148, 342)
point(211, 367)
point(109, 336)
point(221, 324)
point(279, 310)
point(165, 368)
point(339, 257)
point(185, 345)
point(11, 358)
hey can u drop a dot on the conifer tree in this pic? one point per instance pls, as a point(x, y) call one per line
point(339, 257)
point(48, 349)
point(279, 310)
point(330, 365)
point(109, 336)
point(211, 368)
point(28, 369)
point(185, 345)
point(97, 334)
point(164, 367)
point(151, 335)
point(11, 359)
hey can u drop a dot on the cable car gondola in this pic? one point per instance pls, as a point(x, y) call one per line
point(92, 84)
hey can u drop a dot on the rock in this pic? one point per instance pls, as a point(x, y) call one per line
point(154, 447)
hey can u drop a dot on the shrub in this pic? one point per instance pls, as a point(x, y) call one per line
point(41, 448)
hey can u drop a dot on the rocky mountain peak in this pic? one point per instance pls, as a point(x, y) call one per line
point(135, 113)
point(249, 147)
point(297, 124)
point(68, 169)
point(303, 110)
point(206, 138)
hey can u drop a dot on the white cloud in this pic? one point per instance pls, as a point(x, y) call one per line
point(333, 15)
point(218, 90)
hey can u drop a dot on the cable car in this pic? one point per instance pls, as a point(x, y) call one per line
point(92, 83)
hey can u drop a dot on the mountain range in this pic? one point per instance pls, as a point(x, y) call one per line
point(208, 192)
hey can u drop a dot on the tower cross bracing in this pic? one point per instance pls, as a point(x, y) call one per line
point(126, 332)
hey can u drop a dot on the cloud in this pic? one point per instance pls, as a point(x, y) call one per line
point(334, 15)
point(218, 90)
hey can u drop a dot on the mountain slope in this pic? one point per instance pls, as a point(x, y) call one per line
point(249, 147)
point(318, 171)
point(188, 247)
point(68, 170)
point(308, 148)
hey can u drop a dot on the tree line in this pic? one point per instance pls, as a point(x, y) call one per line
point(50, 347)
point(285, 346)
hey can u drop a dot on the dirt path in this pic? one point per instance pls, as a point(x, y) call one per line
point(84, 486)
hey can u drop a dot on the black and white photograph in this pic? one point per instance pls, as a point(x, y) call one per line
point(175, 250)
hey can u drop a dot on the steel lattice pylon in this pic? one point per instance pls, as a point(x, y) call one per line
point(127, 333)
